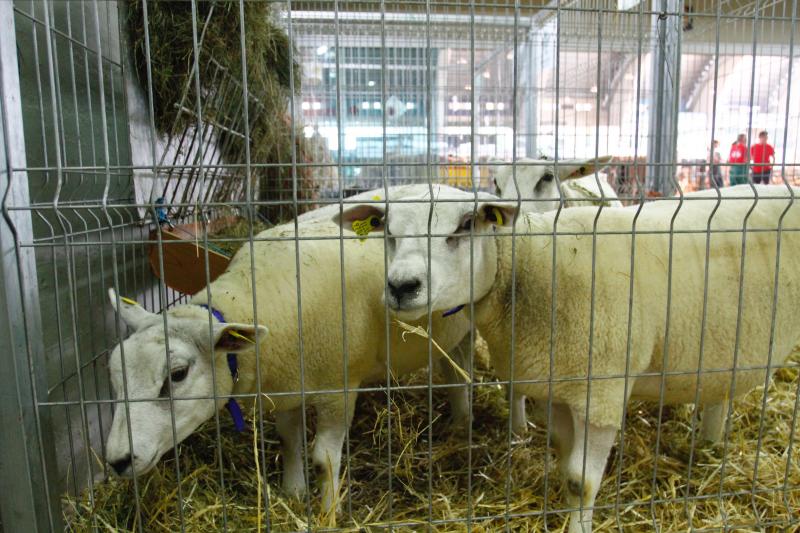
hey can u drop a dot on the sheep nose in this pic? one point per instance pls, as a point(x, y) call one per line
point(121, 465)
point(400, 290)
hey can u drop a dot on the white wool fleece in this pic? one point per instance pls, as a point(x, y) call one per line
point(321, 298)
point(653, 348)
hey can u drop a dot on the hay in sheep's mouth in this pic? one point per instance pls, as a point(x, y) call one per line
point(399, 440)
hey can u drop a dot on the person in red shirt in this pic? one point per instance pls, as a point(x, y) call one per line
point(763, 155)
point(737, 159)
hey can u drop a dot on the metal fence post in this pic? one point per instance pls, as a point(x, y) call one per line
point(26, 462)
point(662, 135)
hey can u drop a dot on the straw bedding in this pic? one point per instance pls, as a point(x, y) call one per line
point(508, 476)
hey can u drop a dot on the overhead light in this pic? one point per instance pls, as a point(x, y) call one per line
point(500, 106)
point(459, 106)
point(489, 106)
point(510, 56)
point(462, 61)
point(305, 106)
point(376, 105)
point(364, 105)
point(316, 106)
point(583, 107)
point(410, 105)
point(371, 83)
point(467, 87)
point(593, 89)
point(487, 75)
point(321, 50)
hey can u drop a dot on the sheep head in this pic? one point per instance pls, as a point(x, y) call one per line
point(535, 183)
point(182, 362)
point(432, 241)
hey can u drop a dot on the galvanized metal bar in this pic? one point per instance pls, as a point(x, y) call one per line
point(250, 212)
point(28, 502)
point(662, 141)
point(672, 184)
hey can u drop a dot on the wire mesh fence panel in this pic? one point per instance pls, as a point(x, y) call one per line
point(424, 265)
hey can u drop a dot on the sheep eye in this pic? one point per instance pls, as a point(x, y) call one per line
point(497, 187)
point(179, 374)
point(466, 225)
point(548, 176)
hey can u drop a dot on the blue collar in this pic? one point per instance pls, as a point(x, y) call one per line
point(454, 310)
point(233, 365)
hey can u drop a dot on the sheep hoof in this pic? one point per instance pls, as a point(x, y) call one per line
point(294, 488)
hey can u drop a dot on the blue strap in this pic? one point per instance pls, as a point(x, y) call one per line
point(233, 365)
point(236, 414)
point(214, 312)
point(453, 310)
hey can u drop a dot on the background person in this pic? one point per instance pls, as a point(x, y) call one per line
point(738, 159)
point(762, 155)
point(715, 176)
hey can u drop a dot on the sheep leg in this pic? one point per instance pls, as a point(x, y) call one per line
point(584, 470)
point(458, 396)
point(561, 429)
point(290, 428)
point(713, 421)
point(519, 419)
point(559, 426)
point(332, 423)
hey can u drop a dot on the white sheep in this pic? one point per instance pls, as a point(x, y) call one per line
point(532, 181)
point(284, 369)
point(591, 283)
point(536, 185)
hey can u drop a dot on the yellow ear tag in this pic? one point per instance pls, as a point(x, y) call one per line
point(238, 335)
point(363, 227)
point(128, 301)
point(376, 198)
point(498, 216)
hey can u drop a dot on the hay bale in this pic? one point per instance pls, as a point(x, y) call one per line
point(500, 467)
point(272, 73)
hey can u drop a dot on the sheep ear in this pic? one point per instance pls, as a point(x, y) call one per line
point(578, 168)
point(361, 219)
point(497, 167)
point(234, 337)
point(134, 315)
point(498, 213)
